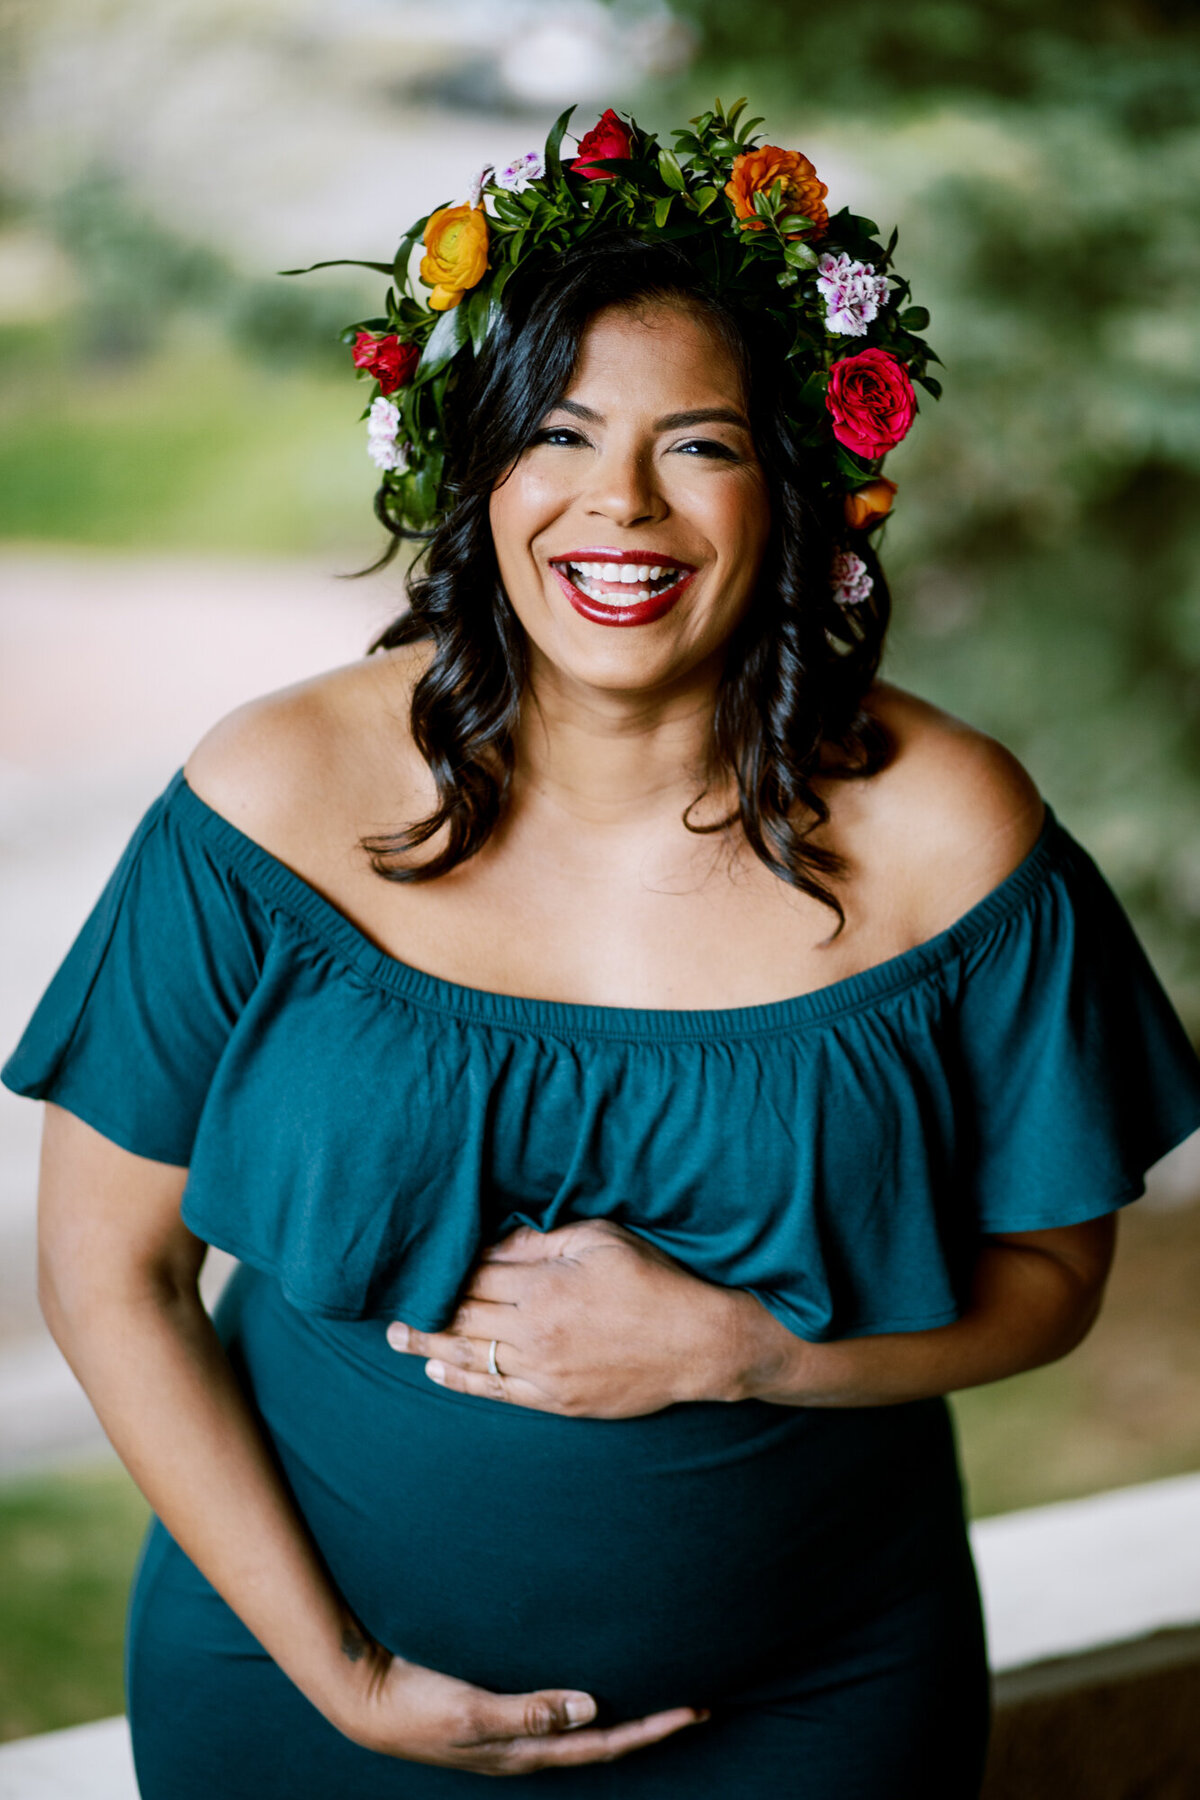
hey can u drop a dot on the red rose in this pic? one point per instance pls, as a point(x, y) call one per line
point(387, 359)
point(872, 402)
point(608, 138)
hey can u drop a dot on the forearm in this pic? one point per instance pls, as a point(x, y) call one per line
point(1026, 1308)
point(158, 1377)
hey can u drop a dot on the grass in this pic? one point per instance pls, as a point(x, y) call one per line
point(1124, 1408)
point(194, 448)
point(68, 1543)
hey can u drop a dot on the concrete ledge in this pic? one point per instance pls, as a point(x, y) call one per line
point(89, 1762)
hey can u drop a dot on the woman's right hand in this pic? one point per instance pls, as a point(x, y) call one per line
point(419, 1715)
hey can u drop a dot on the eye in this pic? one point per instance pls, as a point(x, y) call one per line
point(708, 447)
point(557, 434)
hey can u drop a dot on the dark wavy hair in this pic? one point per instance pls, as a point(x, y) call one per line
point(796, 669)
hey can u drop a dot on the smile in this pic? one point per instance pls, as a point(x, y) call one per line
point(619, 589)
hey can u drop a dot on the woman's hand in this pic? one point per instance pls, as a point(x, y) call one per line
point(420, 1715)
point(588, 1320)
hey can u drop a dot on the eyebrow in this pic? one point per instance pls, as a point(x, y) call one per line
point(677, 421)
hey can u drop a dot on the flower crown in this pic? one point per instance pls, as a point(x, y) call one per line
point(751, 216)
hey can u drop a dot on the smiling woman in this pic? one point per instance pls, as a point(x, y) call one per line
point(570, 427)
point(718, 1057)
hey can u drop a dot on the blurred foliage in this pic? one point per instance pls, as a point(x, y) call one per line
point(190, 446)
point(136, 278)
point(1043, 160)
point(68, 1544)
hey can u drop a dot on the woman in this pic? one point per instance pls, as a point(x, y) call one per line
point(739, 1058)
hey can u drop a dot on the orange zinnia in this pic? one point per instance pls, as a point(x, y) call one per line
point(756, 171)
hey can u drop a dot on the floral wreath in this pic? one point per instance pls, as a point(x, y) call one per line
point(752, 216)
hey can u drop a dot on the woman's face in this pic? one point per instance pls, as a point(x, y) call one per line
point(630, 532)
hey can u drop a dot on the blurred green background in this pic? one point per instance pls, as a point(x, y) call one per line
point(164, 391)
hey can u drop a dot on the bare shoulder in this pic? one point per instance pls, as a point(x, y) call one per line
point(294, 767)
point(953, 814)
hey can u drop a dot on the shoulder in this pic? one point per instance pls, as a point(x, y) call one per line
point(307, 762)
point(952, 814)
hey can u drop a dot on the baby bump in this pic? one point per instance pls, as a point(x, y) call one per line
point(650, 1561)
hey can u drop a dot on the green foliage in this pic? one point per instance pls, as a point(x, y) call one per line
point(68, 1544)
point(192, 447)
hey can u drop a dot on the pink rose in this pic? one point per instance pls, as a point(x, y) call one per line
point(872, 402)
point(387, 359)
point(608, 138)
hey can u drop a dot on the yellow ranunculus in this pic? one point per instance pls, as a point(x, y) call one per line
point(456, 242)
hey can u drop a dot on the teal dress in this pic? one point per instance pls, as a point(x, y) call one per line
point(356, 1131)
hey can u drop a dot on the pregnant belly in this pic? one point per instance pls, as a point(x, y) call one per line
point(668, 1559)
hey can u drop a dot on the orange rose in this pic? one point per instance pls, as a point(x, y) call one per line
point(456, 239)
point(867, 505)
point(756, 171)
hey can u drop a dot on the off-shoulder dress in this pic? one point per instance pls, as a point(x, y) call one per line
point(355, 1131)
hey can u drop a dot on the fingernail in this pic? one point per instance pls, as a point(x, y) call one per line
point(397, 1335)
point(436, 1371)
point(580, 1711)
point(702, 1713)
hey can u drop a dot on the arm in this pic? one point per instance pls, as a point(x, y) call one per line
point(592, 1320)
point(1035, 1295)
point(117, 1277)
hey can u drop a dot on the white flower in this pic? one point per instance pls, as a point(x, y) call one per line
point(853, 294)
point(383, 422)
point(851, 583)
point(517, 175)
point(475, 191)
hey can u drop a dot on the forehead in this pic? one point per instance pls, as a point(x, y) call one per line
point(647, 348)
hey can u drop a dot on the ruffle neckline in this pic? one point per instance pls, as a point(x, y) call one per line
point(578, 1019)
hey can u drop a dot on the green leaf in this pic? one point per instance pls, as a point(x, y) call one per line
point(445, 341)
point(852, 465)
point(501, 279)
point(340, 262)
point(787, 278)
point(407, 243)
point(558, 131)
point(704, 197)
point(930, 385)
point(801, 256)
point(669, 169)
point(662, 208)
point(477, 308)
point(747, 128)
point(915, 318)
point(735, 112)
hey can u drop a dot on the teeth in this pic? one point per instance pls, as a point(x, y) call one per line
point(633, 576)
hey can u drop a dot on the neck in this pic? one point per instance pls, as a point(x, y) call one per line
point(609, 758)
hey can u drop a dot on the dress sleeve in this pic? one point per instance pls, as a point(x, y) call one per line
point(1078, 1073)
point(134, 1021)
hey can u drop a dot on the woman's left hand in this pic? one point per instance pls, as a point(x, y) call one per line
point(588, 1320)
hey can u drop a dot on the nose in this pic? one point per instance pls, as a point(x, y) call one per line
point(623, 488)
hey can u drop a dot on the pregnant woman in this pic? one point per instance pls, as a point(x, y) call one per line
point(641, 1060)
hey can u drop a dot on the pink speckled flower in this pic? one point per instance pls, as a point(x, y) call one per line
point(851, 583)
point(853, 294)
